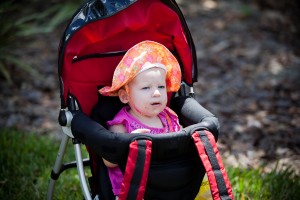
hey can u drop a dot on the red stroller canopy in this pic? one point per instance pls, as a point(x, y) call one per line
point(94, 43)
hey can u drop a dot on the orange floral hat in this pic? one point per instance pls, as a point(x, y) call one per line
point(140, 57)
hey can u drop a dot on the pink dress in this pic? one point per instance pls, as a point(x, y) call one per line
point(170, 123)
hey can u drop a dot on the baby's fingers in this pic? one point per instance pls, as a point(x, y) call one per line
point(141, 130)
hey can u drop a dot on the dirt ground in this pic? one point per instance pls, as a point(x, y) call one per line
point(249, 77)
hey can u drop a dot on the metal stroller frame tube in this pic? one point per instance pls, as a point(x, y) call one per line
point(80, 170)
point(65, 119)
point(73, 106)
point(57, 166)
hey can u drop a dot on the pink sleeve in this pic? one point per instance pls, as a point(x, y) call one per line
point(120, 118)
point(174, 119)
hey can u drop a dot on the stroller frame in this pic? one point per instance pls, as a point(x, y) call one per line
point(60, 167)
point(71, 116)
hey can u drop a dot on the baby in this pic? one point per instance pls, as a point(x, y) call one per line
point(141, 80)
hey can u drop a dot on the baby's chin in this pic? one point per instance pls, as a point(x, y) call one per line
point(154, 113)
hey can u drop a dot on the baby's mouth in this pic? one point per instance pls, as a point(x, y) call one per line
point(155, 104)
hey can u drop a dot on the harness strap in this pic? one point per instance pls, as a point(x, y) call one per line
point(136, 171)
point(169, 123)
point(211, 159)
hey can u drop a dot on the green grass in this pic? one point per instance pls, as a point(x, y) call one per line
point(27, 160)
point(254, 184)
point(26, 163)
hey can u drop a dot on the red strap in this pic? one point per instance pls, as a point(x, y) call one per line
point(211, 159)
point(136, 172)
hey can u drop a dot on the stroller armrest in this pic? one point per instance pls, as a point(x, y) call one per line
point(192, 115)
point(115, 146)
point(99, 138)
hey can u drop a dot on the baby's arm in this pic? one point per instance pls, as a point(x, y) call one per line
point(118, 128)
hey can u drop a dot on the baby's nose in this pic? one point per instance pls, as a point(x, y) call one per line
point(156, 93)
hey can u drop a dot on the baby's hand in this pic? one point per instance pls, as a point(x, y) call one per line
point(141, 130)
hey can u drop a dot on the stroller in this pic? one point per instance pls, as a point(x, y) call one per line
point(165, 166)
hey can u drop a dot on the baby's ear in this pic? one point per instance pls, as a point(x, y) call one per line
point(123, 96)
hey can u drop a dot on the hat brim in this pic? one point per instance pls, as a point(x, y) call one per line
point(134, 60)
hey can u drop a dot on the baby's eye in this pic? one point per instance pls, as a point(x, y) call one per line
point(161, 87)
point(145, 88)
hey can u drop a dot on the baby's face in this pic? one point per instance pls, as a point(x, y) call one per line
point(148, 93)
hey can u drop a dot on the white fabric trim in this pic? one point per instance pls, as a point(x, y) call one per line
point(149, 65)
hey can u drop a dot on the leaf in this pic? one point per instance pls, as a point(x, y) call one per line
point(5, 73)
point(18, 63)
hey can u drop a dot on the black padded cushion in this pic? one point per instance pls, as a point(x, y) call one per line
point(106, 108)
